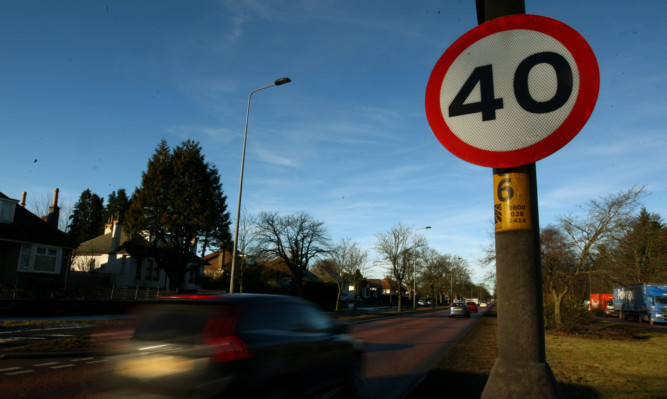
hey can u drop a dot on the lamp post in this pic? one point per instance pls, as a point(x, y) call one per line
point(414, 273)
point(278, 82)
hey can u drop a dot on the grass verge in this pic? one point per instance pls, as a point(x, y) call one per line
point(607, 361)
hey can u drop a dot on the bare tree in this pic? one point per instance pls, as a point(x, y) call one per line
point(41, 206)
point(295, 239)
point(349, 259)
point(606, 219)
point(488, 262)
point(559, 260)
point(247, 245)
point(436, 273)
point(399, 247)
point(460, 277)
point(84, 263)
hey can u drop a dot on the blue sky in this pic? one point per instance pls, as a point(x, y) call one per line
point(89, 88)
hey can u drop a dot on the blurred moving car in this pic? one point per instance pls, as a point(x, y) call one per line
point(239, 345)
point(472, 306)
point(459, 309)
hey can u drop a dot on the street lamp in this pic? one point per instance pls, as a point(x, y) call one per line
point(414, 273)
point(278, 82)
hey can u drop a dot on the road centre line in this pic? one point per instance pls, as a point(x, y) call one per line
point(46, 364)
point(62, 366)
point(10, 369)
point(20, 372)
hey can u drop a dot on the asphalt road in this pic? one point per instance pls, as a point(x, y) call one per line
point(401, 350)
point(399, 353)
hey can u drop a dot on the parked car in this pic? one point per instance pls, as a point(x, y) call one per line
point(239, 345)
point(472, 306)
point(483, 304)
point(459, 309)
point(425, 302)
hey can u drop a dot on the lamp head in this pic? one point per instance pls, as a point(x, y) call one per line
point(282, 81)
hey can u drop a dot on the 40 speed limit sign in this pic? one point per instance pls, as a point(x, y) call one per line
point(512, 90)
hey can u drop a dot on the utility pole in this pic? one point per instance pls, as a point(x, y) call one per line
point(520, 370)
point(488, 69)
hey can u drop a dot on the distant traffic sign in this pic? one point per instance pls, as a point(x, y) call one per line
point(512, 90)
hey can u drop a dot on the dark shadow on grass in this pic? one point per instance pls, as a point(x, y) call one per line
point(450, 384)
point(571, 391)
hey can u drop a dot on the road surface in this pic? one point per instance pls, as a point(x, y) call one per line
point(399, 352)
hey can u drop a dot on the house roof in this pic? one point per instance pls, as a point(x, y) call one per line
point(324, 274)
point(387, 283)
point(31, 229)
point(213, 259)
point(102, 244)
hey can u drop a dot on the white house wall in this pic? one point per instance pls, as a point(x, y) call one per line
point(123, 268)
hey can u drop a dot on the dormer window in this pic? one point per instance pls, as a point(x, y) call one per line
point(7, 208)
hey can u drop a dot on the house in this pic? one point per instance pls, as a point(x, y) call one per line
point(34, 254)
point(105, 254)
point(216, 263)
point(329, 273)
point(390, 287)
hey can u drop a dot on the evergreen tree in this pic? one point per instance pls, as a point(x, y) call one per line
point(117, 204)
point(641, 253)
point(87, 218)
point(180, 200)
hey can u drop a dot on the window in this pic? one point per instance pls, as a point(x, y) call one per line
point(7, 211)
point(152, 271)
point(284, 317)
point(40, 259)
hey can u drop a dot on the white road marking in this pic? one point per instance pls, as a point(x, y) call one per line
point(20, 372)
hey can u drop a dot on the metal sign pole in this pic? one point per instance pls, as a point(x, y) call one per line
point(520, 370)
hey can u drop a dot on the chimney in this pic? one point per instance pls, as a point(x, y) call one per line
point(54, 211)
point(115, 235)
point(23, 197)
point(108, 227)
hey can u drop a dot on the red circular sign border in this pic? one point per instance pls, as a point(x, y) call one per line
point(589, 84)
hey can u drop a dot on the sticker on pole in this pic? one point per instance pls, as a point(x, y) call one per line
point(512, 91)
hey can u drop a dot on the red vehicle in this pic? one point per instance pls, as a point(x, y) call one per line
point(602, 304)
point(472, 306)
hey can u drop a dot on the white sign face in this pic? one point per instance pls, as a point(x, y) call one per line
point(512, 91)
